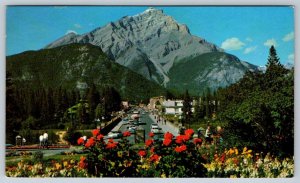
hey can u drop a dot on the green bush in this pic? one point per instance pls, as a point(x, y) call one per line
point(38, 157)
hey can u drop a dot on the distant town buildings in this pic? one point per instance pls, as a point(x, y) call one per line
point(125, 104)
point(173, 107)
point(154, 101)
point(168, 106)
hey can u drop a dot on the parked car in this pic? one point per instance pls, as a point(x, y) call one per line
point(115, 134)
point(132, 128)
point(156, 129)
point(154, 125)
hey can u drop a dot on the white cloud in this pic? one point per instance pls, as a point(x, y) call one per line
point(291, 57)
point(290, 36)
point(232, 44)
point(249, 39)
point(71, 31)
point(77, 26)
point(250, 49)
point(270, 42)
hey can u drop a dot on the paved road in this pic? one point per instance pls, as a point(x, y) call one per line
point(146, 125)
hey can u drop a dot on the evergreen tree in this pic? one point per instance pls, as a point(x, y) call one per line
point(12, 111)
point(207, 103)
point(93, 98)
point(274, 68)
point(187, 109)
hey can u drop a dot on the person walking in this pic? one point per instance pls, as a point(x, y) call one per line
point(41, 138)
point(45, 136)
point(208, 135)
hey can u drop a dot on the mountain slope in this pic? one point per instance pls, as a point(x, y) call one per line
point(67, 65)
point(211, 70)
point(151, 35)
point(154, 45)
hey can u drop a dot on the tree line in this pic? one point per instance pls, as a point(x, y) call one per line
point(257, 111)
point(47, 108)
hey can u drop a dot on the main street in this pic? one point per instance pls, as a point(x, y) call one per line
point(145, 121)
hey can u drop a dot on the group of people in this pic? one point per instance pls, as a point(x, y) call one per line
point(209, 135)
point(44, 140)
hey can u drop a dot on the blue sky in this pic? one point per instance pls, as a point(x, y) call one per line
point(246, 32)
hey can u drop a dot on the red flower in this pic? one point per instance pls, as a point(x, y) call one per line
point(82, 163)
point(180, 149)
point(182, 138)
point(151, 134)
point(96, 132)
point(100, 137)
point(142, 153)
point(235, 161)
point(152, 150)
point(197, 141)
point(110, 140)
point(111, 145)
point(168, 135)
point(149, 142)
point(154, 158)
point(126, 134)
point(80, 141)
point(90, 142)
point(167, 142)
point(222, 159)
point(189, 132)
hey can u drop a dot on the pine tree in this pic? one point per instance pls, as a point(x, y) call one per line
point(274, 68)
point(187, 108)
point(93, 98)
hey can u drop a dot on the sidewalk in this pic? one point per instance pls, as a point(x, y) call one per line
point(166, 127)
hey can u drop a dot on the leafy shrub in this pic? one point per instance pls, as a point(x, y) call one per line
point(38, 156)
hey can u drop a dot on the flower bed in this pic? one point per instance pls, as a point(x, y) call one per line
point(180, 156)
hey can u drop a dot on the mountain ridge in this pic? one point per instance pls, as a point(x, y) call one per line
point(151, 43)
point(69, 64)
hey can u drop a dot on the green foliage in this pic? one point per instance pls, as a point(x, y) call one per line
point(38, 157)
point(260, 109)
point(63, 67)
point(71, 136)
point(187, 109)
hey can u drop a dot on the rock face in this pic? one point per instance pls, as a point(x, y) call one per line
point(149, 43)
point(211, 70)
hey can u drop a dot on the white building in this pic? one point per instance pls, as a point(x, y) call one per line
point(174, 107)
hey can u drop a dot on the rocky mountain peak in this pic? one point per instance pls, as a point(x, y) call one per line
point(149, 43)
